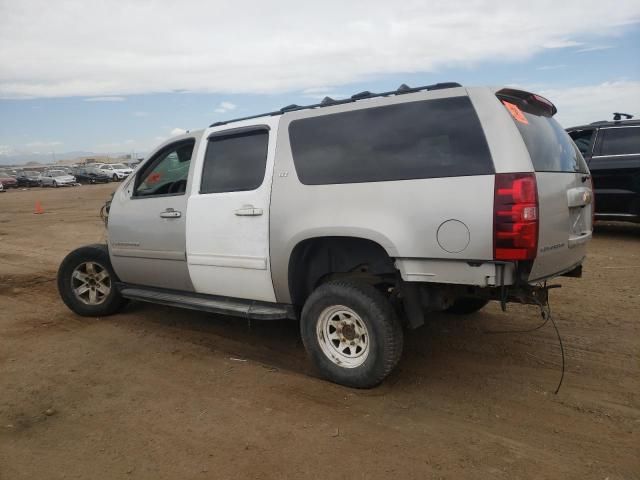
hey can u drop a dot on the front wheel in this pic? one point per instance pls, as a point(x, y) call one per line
point(55, 184)
point(86, 282)
point(115, 177)
point(351, 333)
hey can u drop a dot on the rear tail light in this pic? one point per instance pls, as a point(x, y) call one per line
point(515, 219)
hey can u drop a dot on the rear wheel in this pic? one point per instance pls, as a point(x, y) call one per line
point(86, 282)
point(351, 333)
point(467, 305)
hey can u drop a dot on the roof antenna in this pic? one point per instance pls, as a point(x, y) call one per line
point(327, 101)
point(403, 88)
point(617, 116)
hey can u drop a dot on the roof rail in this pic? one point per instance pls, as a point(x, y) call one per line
point(327, 101)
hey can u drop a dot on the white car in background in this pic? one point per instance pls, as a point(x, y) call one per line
point(117, 171)
point(57, 178)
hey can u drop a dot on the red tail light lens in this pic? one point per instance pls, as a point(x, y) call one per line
point(515, 221)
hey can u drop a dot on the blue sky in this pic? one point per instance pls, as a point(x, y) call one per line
point(98, 97)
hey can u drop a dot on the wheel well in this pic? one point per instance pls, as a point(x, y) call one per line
point(316, 260)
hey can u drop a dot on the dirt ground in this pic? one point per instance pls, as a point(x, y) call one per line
point(163, 393)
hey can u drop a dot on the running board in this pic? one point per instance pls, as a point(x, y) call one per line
point(209, 303)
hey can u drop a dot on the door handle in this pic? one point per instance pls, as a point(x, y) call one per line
point(248, 211)
point(170, 213)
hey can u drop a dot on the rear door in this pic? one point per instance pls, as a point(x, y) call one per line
point(228, 223)
point(615, 167)
point(564, 187)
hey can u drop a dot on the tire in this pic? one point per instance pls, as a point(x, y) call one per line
point(88, 294)
point(467, 305)
point(55, 184)
point(350, 306)
point(115, 177)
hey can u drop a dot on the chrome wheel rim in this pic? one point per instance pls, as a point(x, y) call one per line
point(91, 283)
point(343, 336)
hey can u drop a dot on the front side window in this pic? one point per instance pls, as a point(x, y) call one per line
point(235, 162)
point(582, 139)
point(167, 173)
point(620, 141)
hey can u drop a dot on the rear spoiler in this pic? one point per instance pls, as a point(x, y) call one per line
point(528, 101)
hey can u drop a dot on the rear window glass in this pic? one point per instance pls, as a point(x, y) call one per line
point(426, 139)
point(550, 147)
point(620, 141)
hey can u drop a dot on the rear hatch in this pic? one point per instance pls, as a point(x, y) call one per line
point(565, 196)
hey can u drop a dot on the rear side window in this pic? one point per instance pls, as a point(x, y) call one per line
point(235, 162)
point(620, 141)
point(426, 139)
point(550, 147)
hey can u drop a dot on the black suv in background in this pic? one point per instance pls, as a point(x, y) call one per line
point(612, 150)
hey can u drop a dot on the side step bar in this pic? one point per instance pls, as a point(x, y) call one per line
point(209, 303)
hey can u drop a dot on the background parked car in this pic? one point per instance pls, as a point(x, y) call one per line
point(28, 178)
point(612, 151)
point(8, 181)
point(57, 178)
point(117, 171)
point(84, 175)
point(1, 188)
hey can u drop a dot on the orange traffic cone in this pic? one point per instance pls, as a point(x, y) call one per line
point(38, 210)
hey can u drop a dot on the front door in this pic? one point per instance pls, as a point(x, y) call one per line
point(147, 220)
point(228, 223)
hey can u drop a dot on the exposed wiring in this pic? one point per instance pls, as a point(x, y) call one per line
point(545, 312)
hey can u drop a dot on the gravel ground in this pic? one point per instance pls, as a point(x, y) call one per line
point(162, 393)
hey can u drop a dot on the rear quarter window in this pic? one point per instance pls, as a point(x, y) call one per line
point(425, 139)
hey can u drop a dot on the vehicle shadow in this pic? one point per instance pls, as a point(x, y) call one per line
point(616, 230)
point(273, 343)
point(444, 345)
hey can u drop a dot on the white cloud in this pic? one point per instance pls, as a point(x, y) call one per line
point(6, 150)
point(590, 103)
point(40, 144)
point(551, 67)
point(93, 49)
point(225, 107)
point(177, 131)
point(105, 99)
point(595, 48)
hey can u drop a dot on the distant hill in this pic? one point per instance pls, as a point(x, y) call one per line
point(18, 158)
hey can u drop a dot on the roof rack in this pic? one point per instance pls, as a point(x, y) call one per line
point(328, 101)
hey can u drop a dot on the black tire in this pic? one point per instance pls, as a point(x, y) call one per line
point(55, 184)
point(97, 254)
point(384, 332)
point(467, 305)
point(115, 177)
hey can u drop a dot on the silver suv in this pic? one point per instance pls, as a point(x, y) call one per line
point(356, 217)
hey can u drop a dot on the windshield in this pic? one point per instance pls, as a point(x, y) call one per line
point(119, 166)
point(57, 173)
